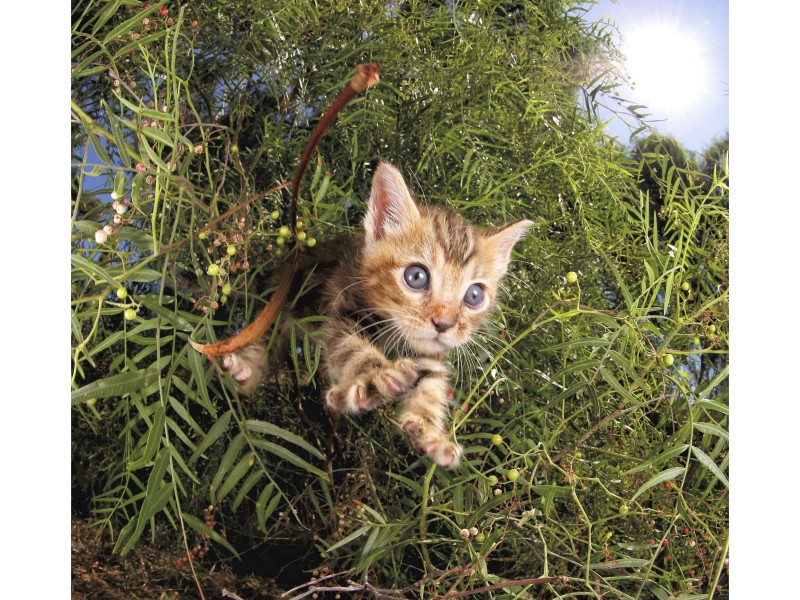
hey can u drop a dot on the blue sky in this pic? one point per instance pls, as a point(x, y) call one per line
point(703, 25)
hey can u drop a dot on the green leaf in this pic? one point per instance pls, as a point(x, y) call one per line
point(660, 478)
point(203, 529)
point(156, 496)
point(197, 362)
point(663, 457)
point(239, 471)
point(622, 563)
point(151, 154)
point(226, 463)
point(127, 26)
point(614, 383)
point(116, 385)
point(706, 461)
point(120, 274)
point(285, 454)
point(154, 435)
point(245, 488)
point(351, 537)
point(265, 506)
point(158, 135)
point(265, 428)
point(97, 273)
point(105, 14)
point(217, 430)
point(594, 342)
point(712, 429)
point(153, 302)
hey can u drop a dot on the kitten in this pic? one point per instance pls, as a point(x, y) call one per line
point(416, 283)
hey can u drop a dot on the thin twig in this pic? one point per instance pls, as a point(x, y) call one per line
point(506, 584)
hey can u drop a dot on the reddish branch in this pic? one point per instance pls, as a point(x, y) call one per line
point(367, 76)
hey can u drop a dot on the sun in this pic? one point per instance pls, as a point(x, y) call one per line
point(668, 67)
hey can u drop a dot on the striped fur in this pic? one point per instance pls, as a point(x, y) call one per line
point(384, 340)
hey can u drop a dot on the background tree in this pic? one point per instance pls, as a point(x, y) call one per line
point(595, 417)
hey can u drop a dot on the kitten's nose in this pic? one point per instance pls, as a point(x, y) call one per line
point(442, 325)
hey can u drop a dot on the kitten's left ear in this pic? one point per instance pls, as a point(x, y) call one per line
point(391, 207)
point(504, 240)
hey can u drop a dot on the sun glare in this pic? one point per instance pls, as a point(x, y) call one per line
point(668, 67)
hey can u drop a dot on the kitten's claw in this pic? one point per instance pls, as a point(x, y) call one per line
point(238, 369)
point(246, 367)
point(374, 388)
point(424, 437)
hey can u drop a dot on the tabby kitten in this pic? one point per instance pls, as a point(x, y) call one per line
point(416, 283)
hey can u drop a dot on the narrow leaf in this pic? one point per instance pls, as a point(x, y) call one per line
point(706, 461)
point(287, 455)
point(266, 428)
point(660, 478)
point(217, 430)
point(116, 385)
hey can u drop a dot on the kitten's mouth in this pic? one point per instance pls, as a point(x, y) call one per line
point(433, 344)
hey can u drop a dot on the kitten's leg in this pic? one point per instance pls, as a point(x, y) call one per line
point(248, 366)
point(424, 416)
point(364, 378)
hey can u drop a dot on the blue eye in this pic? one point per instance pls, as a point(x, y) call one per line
point(474, 295)
point(416, 277)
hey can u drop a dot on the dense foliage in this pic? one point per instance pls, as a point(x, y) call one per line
point(594, 415)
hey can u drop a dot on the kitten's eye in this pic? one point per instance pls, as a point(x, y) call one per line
point(416, 277)
point(474, 295)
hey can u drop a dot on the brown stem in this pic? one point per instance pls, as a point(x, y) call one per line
point(366, 76)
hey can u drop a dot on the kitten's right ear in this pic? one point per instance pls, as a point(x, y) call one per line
point(391, 207)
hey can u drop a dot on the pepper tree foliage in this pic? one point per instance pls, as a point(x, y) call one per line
point(594, 414)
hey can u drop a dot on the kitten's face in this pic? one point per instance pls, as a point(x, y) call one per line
point(429, 273)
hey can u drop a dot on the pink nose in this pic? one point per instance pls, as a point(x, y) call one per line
point(442, 325)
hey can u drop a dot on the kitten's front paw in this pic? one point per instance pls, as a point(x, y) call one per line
point(424, 437)
point(374, 388)
point(238, 368)
point(246, 367)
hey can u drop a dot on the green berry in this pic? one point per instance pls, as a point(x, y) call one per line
point(281, 240)
point(712, 329)
point(226, 289)
point(231, 250)
point(202, 235)
point(696, 340)
point(512, 475)
point(274, 215)
point(213, 269)
point(130, 314)
point(685, 286)
point(299, 224)
point(480, 538)
point(284, 231)
point(492, 480)
point(497, 439)
point(311, 242)
point(122, 293)
point(667, 360)
point(623, 510)
point(572, 277)
point(234, 149)
point(301, 235)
